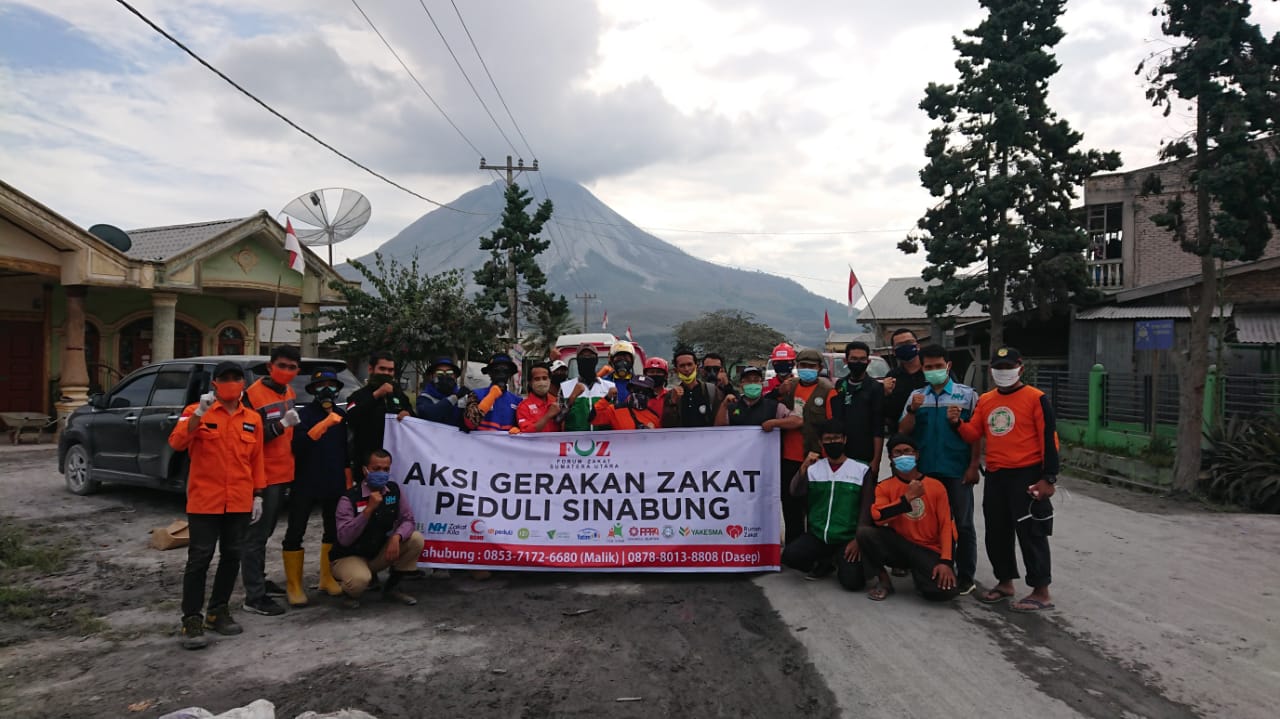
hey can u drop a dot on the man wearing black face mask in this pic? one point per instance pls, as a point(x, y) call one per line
point(837, 502)
point(713, 371)
point(493, 409)
point(367, 406)
point(859, 407)
point(320, 457)
point(440, 399)
point(904, 379)
point(579, 396)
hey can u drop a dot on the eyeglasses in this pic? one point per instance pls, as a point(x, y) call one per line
point(902, 453)
point(446, 373)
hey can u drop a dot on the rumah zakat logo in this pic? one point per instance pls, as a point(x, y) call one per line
point(733, 530)
point(585, 448)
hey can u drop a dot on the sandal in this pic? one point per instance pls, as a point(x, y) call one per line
point(994, 596)
point(880, 593)
point(1028, 605)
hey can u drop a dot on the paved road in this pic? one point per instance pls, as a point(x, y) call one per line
point(1162, 612)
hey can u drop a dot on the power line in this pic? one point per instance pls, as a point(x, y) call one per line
point(467, 77)
point(498, 92)
point(279, 115)
point(822, 233)
point(415, 78)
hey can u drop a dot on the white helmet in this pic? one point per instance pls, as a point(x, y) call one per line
point(622, 346)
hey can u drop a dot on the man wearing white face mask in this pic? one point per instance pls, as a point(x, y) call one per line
point(1022, 471)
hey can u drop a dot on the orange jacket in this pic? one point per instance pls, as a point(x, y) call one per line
point(622, 418)
point(226, 458)
point(925, 521)
point(277, 450)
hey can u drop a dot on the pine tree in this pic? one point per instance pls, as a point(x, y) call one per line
point(514, 248)
point(1227, 70)
point(1005, 168)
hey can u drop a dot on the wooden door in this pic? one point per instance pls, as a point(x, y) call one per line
point(22, 366)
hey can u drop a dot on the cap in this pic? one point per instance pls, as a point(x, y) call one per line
point(559, 364)
point(657, 363)
point(227, 366)
point(501, 358)
point(642, 382)
point(898, 439)
point(323, 375)
point(809, 355)
point(587, 347)
point(749, 369)
point(1006, 357)
point(443, 362)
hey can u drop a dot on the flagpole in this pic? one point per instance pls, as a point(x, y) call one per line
point(864, 294)
point(275, 310)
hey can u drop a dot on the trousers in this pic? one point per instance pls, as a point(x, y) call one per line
point(794, 509)
point(300, 514)
point(224, 532)
point(1011, 513)
point(355, 573)
point(882, 547)
point(808, 551)
point(960, 497)
point(255, 546)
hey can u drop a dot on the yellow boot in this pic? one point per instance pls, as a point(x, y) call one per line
point(328, 584)
point(293, 578)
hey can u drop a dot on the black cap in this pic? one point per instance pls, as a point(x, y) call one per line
point(1006, 357)
point(227, 366)
point(642, 382)
point(749, 369)
point(899, 439)
point(500, 358)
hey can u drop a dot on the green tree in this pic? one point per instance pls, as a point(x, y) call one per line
point(415, 316)
point(548, 318)
point(513, 261)
point(1005, 168)
point(1223, 66)
point(734, 334)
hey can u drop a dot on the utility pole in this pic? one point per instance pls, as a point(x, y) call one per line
point(586, 298)
point(513, 297)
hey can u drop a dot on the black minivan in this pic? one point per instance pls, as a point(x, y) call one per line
point(123, 436)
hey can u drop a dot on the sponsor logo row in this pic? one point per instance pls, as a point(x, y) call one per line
point(479, 531)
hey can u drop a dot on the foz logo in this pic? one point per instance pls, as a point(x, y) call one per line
point(585, 448)
point(733, 530)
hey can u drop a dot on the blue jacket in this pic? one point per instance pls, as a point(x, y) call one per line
point(319, 468)
point(436, 407)
point(503, 415)
point(943, 453)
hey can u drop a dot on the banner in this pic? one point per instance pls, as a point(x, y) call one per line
point(674, 500)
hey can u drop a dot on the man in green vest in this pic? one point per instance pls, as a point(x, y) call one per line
point(833, 487)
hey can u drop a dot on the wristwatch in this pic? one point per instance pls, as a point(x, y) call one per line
point(1050, 478)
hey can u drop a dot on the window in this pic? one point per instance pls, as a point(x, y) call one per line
point(171, 388)
point(1106, 231)
point(230, 341)
point(134, 392)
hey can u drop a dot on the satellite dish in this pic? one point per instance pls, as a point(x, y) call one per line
point(113, 236)
point(328, 216)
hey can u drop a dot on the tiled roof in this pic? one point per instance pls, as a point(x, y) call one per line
point(161, 243)
point(891, 303)
point(1257, 328)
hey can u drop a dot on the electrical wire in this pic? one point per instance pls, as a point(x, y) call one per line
point(178, 43)
point(496, 91)
point(400, 60)
point(467, 77)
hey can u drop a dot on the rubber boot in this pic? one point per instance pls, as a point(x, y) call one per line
point(328, 584)
point(293, 578)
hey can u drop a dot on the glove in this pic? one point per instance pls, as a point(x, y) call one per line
point(206, 401)
point(257, 510)
point(487, 403)
point(316, 432)
point(290, 418)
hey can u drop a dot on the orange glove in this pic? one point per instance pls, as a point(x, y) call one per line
point(487, 403)
point(605, 371)
point(316, 432)
point(514, 430)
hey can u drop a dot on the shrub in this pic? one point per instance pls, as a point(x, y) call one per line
point(1242, 465)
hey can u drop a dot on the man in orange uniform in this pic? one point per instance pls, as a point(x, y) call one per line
point(224, 487)
point(808, 396)
point(634, 413)
point(275, 401)
point(540, 411)
point(1022, 472)
point(914, 529)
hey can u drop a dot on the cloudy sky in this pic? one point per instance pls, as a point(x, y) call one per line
point(718, 116)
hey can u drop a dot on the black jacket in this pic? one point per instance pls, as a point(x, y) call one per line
point(366, 416)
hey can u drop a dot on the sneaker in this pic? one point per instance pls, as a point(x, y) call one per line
point(822, 569)
point(265, 606)
point(898, 572)
point(220, 621)
point(274, 590)
point(965, 586)
point(398, 596)
point(192, 636)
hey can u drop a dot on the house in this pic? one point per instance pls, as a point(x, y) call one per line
point(890, 310)
point(79, 312)
point(836, 341)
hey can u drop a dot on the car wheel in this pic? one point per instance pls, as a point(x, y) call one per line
point(77, 470)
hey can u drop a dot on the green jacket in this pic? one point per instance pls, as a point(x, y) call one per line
point(835, 500)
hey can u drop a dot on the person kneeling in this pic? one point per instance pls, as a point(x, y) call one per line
point(834, 489)
point(375, 531)
point(914, 529)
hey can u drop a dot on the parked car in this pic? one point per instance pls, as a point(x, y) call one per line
point(122, 436)
point(836, 369)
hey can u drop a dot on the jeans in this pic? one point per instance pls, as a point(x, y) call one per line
point(808, 551)
point(300, 514)
point(1010, 512)
point(255, 548)
point(882, 547)
point(960, 497)
point(225, 532)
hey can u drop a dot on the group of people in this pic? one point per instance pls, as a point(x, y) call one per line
point(249, 445)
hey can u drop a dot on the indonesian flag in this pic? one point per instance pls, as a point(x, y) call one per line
point(826, 321)
point(293, 248)
point(629, 338)
point(855, 291)
point(604, 322)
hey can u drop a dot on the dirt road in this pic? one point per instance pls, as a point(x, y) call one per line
point(102, 635)
point(1165, 611)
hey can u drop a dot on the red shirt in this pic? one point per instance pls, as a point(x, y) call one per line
point(534, 408)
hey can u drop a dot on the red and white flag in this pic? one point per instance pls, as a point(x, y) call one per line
point(629, 338)
point(826, 321)
point(855, 291)
point(293, 248)
point(604, 322)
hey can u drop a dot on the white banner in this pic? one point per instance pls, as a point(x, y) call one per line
point(674, 500)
